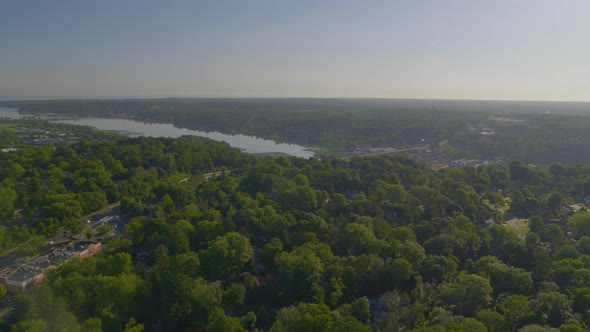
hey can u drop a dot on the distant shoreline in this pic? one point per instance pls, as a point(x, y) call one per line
point(285, 98)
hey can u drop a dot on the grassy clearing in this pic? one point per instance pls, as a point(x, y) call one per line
point(7, 127)
point(520, 226)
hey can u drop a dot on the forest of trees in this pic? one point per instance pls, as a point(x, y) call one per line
point(542, 133)
point(286, 244)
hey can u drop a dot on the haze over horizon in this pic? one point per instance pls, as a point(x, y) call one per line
point(494, 50)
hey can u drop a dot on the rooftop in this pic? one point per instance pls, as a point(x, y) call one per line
point(39, 264)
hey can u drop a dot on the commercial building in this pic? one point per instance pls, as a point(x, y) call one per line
point(33, 271)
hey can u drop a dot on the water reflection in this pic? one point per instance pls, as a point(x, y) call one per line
point(248, 144)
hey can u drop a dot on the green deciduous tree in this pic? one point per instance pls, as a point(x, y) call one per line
point(227, 253)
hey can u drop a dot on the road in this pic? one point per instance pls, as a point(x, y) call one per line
point(208, 176)
point(88, 220)
point(385, 152)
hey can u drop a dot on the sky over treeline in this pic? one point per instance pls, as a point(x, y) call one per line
point(514, 50)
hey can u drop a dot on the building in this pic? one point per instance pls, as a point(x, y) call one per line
point(487, 131)
point(33, 271)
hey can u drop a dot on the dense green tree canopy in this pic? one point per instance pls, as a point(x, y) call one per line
point(286, 244)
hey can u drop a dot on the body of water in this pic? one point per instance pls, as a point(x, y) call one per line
point(248, 144)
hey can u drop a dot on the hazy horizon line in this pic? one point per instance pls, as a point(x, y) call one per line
point(17, 99)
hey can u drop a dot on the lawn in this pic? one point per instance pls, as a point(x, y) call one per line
point(7, 127)
point(520, 226)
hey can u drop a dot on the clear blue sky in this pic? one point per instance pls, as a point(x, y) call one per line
point(471, 49)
